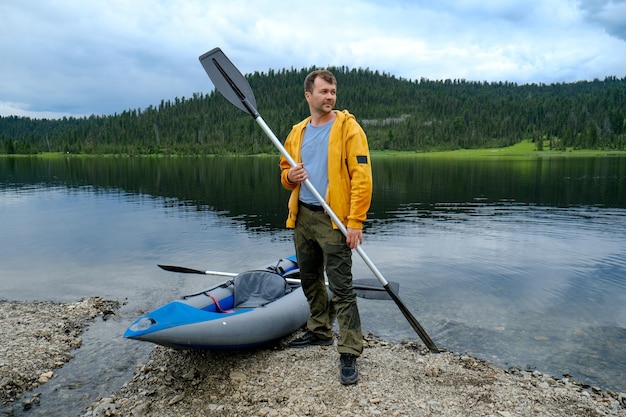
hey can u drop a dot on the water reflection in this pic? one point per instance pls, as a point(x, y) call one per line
point(234, 185)
point(550, 182)
point(523, 285)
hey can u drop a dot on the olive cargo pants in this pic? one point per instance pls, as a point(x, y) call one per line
point(318, 247)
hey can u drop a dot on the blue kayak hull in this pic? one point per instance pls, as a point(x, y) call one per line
point(183, 326)
point(207, 320)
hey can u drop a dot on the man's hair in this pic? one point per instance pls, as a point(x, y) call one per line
point(323, 74)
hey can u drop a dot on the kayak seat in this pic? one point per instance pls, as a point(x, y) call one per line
point(257, 288)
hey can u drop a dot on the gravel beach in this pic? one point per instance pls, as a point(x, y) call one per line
point(396, 379)
point(39, 337)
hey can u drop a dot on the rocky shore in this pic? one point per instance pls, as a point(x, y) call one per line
point(396, 379)
point(39, 337)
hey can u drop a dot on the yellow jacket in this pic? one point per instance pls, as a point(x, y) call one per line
point(349, 192)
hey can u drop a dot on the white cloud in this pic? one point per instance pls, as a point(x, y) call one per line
point(103, 57)
point(8, 108)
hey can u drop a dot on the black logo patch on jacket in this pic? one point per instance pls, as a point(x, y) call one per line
point(361, 159)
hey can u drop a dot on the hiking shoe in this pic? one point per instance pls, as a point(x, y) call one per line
point(310, 339)
point(348, 374)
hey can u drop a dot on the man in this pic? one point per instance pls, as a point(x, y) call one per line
point(331, 151)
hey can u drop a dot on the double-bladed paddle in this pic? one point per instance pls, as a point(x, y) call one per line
point(229, 81)
point(364, 288)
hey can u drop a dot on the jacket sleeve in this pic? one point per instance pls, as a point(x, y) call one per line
point(284, 170)
point(358, 163)
point(292, 146)
point(284, 164)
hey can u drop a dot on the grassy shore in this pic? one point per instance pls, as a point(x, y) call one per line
point(524, 149)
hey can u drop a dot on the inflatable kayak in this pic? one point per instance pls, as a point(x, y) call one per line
point(252, 308)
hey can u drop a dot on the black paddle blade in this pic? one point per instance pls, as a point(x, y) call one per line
point(181, 269)
point(371, 289)
point(229, 81)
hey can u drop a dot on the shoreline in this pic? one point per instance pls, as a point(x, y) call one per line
point(396, 379)
point(525, 148)
point(39, 337)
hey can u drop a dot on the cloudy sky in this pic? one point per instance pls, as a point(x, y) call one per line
point(78, 57)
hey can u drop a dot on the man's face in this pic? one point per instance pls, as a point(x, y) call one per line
point(322, 99)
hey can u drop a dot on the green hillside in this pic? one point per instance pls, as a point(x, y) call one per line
point(397, 114)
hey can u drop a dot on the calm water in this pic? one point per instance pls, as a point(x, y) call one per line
point(518, 262)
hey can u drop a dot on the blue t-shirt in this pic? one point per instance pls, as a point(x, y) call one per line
point(315, 158)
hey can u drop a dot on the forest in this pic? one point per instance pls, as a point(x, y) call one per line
point(396, 114)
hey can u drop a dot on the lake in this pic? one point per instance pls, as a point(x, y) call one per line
point(520, 261)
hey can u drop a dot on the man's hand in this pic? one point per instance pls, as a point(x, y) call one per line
point(354, 238)
point(297, 173)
